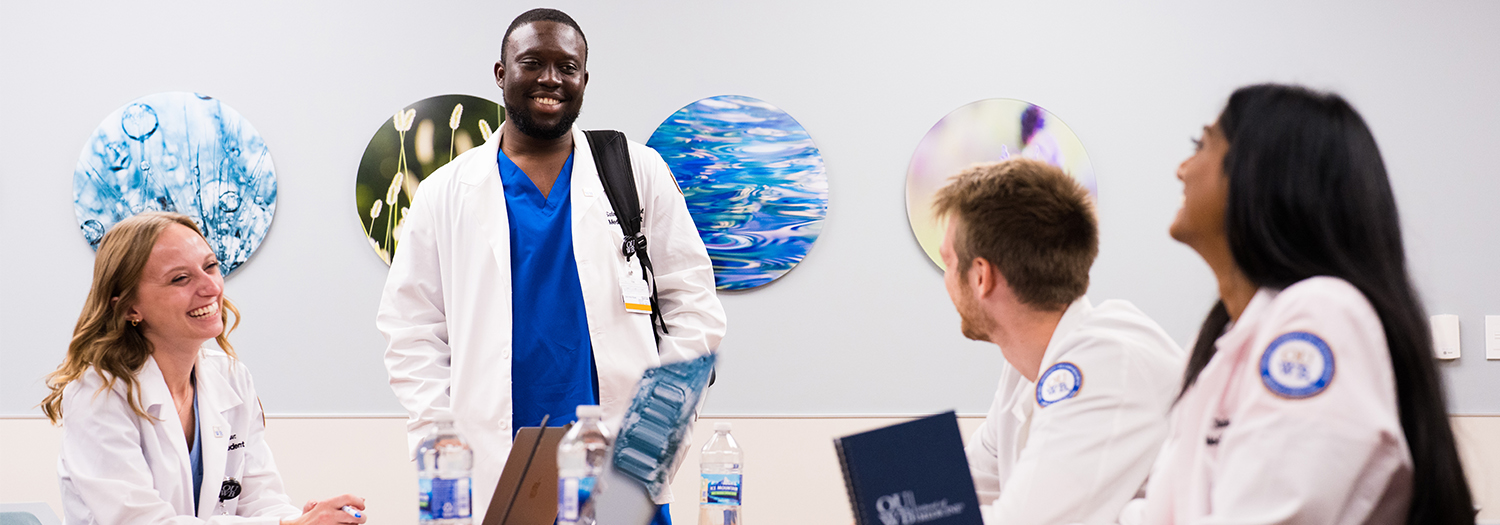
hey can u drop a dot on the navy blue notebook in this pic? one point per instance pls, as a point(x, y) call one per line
point(909, 474)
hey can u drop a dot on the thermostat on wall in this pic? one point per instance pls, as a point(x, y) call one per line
point(1445, 336)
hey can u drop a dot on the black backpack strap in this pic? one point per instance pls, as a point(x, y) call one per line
point(612, 159)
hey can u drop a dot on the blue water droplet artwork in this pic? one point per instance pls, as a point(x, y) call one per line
point(180, 152)
point(754, 183)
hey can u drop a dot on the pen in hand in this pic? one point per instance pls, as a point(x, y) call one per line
point(352, 511)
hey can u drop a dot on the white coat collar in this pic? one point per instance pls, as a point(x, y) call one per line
point(1233, 340)
point(215, 397)
point(488, 196)
point(156, 398)
point(1072, 317)
point(587, 188)
point(585, 174)
point(1197, 405)
point(213, 387)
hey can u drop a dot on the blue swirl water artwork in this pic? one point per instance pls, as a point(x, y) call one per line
point(180, 152)
point(754, 183)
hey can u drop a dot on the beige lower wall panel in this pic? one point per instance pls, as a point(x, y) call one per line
point(1475, 436)
point(791, 473)
point(28, 462)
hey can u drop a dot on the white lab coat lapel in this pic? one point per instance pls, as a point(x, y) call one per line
point(591, 244)
point(1222, 369)
point(485, 204)
point(1196, 410)
point(586, 186)
point(214, 399)
point(1023, 405)
point(157, 400)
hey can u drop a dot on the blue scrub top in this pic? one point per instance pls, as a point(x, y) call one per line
point(552, 360)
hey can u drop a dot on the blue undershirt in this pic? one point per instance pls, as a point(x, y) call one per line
point(195, 456)
point(552, 363)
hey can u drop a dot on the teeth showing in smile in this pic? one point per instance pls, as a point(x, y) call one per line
point(547, 101)
point(205, 311)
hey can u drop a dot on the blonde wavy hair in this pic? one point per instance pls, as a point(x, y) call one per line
point(103, 339)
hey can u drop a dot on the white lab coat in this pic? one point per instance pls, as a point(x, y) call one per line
point(446, 309)
point(1240, 453)
point(1081, 459)
point(117, 468)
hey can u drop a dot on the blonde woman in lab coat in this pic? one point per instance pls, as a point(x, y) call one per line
point(158, 428)
point(1311, 395)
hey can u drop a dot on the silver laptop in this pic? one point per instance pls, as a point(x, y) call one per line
point(527, 491)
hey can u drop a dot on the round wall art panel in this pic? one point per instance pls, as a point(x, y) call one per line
point(986, 131)
point(180, 152)
point(414, 142)
point(754, 183)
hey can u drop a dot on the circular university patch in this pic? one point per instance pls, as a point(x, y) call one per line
point(1061, 381)
point(1297, 365)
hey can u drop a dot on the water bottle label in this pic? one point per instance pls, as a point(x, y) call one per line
point(450, 498)
point(572, 495)
point(424, 499)
point(720, 489)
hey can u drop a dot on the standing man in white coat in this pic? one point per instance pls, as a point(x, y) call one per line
point(505, 300)
point(1081, 410)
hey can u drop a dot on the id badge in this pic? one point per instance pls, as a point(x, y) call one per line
point(636, 292)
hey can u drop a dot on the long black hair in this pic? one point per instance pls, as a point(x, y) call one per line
point(1309, 196)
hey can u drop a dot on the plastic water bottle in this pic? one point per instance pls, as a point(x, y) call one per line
point(426, 470)
point(722, 486)
point(581, 457)
point(449, 503)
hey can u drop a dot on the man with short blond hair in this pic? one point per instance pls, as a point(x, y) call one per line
point(1081, 409)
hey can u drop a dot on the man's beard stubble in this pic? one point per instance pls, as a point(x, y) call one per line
point(973, 322)
point(521, 116)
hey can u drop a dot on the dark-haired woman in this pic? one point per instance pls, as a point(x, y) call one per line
point(1310, 395)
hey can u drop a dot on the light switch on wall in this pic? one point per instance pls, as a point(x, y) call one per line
point(1492, 337)
point(1445, 336)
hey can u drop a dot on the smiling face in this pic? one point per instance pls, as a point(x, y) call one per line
point(180, 293)
point(1205, 193)
point(543, 76)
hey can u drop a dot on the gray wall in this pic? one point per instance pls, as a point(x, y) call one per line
point(863, 326)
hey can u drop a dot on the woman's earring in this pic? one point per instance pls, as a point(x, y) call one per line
point(135, 322)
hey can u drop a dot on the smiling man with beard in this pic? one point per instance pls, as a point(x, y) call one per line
point(505, 301)
point(1081, 409)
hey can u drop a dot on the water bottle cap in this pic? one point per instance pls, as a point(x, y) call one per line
point(593, 411)
point(722, 426)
